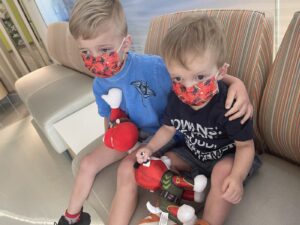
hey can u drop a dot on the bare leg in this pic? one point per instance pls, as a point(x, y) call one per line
point(216, 208)
point(125, 199)
point(177, 164)
point(90, 165)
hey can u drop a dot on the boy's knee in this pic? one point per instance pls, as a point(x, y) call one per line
point(126, 177)
point(220, 171)
point(126, 170)
point(87, 164)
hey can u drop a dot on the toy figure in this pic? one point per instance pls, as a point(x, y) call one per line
point(122, 134)
point(155, 175)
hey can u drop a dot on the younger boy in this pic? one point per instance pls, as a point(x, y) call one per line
point(100, 29)
point(194, 53)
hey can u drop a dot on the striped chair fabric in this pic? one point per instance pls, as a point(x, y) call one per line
point(279, 118)
point(249, 43)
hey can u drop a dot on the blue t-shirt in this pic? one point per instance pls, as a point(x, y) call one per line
point(145, 83)
point(207, 132)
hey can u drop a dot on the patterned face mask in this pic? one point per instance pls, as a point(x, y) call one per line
point(104, 65)
point(200, 93)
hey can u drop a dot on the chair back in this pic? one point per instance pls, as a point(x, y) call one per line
point(279, 117)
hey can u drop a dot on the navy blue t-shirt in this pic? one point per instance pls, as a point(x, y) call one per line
point(207, 132)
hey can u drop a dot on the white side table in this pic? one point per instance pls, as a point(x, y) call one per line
point(81, 128)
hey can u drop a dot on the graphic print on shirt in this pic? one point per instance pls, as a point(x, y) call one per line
point(143, 88)
point(202, 141)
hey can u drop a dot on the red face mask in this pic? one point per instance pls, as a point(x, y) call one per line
point(200, 93)
point(104, 65)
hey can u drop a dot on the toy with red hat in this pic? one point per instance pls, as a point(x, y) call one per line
point(122, 134)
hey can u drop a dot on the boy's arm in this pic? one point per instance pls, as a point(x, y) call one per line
point(237, 91)
point(243, 159)
point(161, 138)
point(232, 186)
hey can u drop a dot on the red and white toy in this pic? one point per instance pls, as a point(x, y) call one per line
point(155, 175)
point(122, 134)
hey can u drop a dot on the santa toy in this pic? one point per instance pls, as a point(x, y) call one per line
point(122, 134)
point(154, 175)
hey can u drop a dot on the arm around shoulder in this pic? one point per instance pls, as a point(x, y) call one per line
point(237, 91)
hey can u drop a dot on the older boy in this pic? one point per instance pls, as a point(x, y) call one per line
point(194, 53)
point(100, 29)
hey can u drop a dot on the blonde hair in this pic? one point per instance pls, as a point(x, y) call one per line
point(194, 35)
point(89, 16)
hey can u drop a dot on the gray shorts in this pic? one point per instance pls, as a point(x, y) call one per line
point(205, 168)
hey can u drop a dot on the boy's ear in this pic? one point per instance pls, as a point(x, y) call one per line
point(127, 43)
point(223, 71)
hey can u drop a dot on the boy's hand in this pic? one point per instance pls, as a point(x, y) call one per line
point(143, 154)
point(242, 106)
point(232, 189)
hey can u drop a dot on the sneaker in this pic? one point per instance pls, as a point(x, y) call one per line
point(85, 219)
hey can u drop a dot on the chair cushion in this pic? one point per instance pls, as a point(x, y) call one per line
point(32, 82)
point(271, 196)
point(249, 43)
point(71, 92)
point(279, 118)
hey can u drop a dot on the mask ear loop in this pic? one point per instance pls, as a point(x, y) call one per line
point(222, 71)
point(118, 51)
point(121, 44)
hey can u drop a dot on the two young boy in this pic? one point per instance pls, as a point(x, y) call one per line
point(100, 29)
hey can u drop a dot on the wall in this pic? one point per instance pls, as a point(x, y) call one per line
point(140, 12)
point(286, 9)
